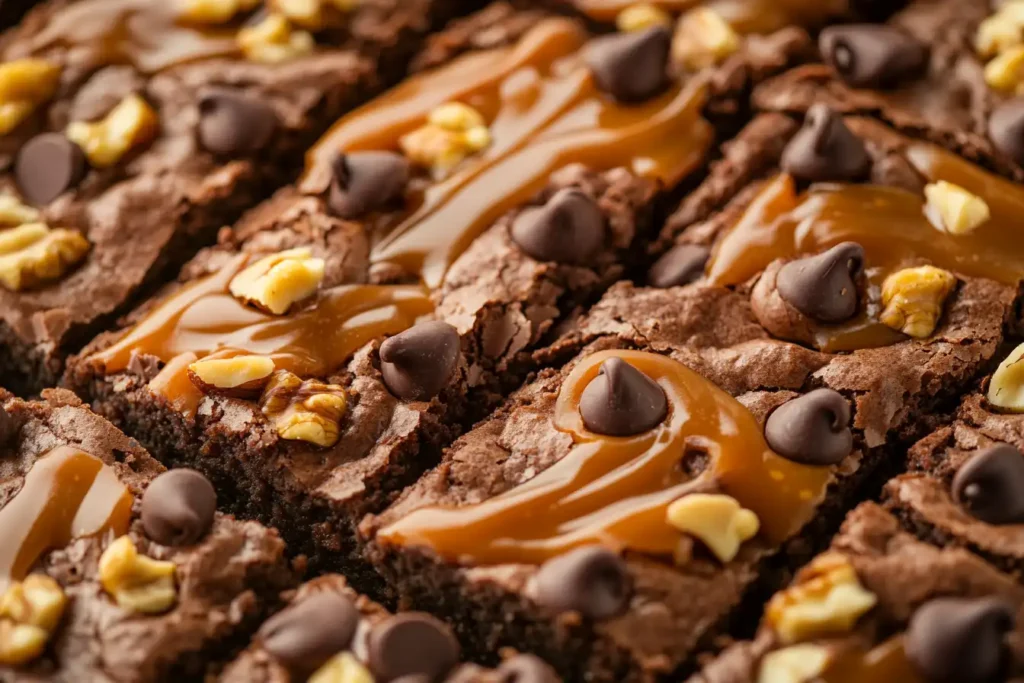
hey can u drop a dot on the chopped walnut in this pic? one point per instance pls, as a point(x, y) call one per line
point(719, 521)
point(33, 254)
point(913, 299)
point(794, 664)
point(132, 123)
point(276, 282)
point(1006, 388)
point(954, 209)
point(642, 16)
point(1001, 31)
point(1006, 72)
point(304, 410)
point(29, 613)
point(342, 668)
point(13, 213)
point(703, 39)
point(138, 583)
point(453, 132)
point(237, 376)
point(24, 85)
point(274, 40)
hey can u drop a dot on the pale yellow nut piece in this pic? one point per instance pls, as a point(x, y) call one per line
point(956, 210)
point(276, 282)
point(703, 39)
point(20, 643)
point(240, 373)
point(132, 123)
point(456, 116)
point(641, 16)
point(796, 664)
point(719, 521)
point(304, 410)
point(996, 34)
point(913, 299)
point(342, 668)
point(13, 113)
point(215, 11)
point(37, 601)
point(1006, 388)
point(274, 40)
point(28, 80)
point(453, 132)
point(1005, 72)
point(138, 583)
point(43, 255)
point(14, 213)
point(827, 599)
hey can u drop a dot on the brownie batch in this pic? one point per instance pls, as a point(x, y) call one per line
point(618, 341)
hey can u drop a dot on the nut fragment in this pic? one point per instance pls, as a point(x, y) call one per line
point(702, 39)
point(1006, 388)
point(826, 599)
point(215, 11)
point(1001, 31)
point(14, 213)
point(304, 410)
point(132, 123)
point(453, 132)
point(276, 282)
point(309, 13)
point(913, 299)
point(24, 85)
point(32, 254)
point(138, 583)
point(796, 664)
point(342, 668)
point(236, 376)
point(274, 40)
point(1006, 72)
point(954, 209)
point(640, 16)
point(29, 612)
point(717, 520)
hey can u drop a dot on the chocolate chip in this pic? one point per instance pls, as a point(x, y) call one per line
point(47, 166)
point(1006, 129)
point(990, 485)
point(826, 150)
point(308, 633)
point(366, 181)
point(622, 401)
point(875, 10)
point(591, 580)
point(568, 228)
point(872, 55)
point(957, 640)
point(525, 669)
point(813, 429)
point(178, 507)
point(681, 265)
point(234, 124)
point(632, 66)
point(824, 287)
point(417, 363)
point(409, 644)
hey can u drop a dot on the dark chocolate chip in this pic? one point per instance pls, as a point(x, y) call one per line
point(409, 644)
point(178, 507)
point(632, 66)
point(824, 287)
point(366, 181)
point(591, 580)
point(813, 429)
point(681, 265)
point(526, 669)
point(232, 123)
point(826, 150)
point(990, 485)
point(417, 363)
point(957, 640)
point(47, 166)
point(873, 55)
point(308, 633)
point(622, 401)
point(1006, 129)
point(568, 228)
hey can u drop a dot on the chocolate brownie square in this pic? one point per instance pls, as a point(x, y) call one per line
point(114, 568)
point(880, 605)
point(132, 131)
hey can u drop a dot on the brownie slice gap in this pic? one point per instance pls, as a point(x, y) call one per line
point(197, 130)
point(880, 605)
point(125, 569)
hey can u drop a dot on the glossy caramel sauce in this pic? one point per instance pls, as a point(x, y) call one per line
point(67, 494)
point(886, 663)
point(746, 16)
point(616, 490)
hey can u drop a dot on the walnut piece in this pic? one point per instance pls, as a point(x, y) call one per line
point(795, 664)
point(954, 209)
point(453, 132)
point(342, 668)
point(309, 13)
point(274, 40)
point(719, 521)
point(1006, 72)
point(132, 123)
point(24, 85)
point(29, 613)
point(215, 11)
point(703, 39)
point(641, 16)
point(13, 213)
point(275, 283)
point(913, 299)
point(826, 599)
point(138, 583)
point(1006, 388)
point(237, 376)
point(304, 410)
point(33, 254)
point(1001, 31)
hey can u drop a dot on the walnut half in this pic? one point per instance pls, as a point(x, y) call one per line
point(29, 613)
point(276, 282)
point(33, 254)
point(914, 298)
point(138, 583)
point(304, 410)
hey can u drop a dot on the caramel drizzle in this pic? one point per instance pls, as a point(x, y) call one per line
point(746, 16)
point(67, 494)
point(616, 490)
point(886, 662)
point(545, 113)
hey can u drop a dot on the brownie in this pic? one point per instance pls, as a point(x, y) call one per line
point(143, 133)
point(113, 567)
point(880, 605)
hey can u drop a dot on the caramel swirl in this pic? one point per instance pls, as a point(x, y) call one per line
point(67, 494)
point(544, 112)
point(616, 490)
point(746, 16)
point(886, 662)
